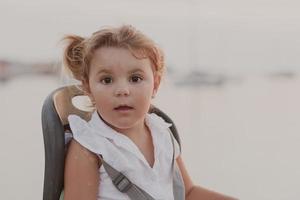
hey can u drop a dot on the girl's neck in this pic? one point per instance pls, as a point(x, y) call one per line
point(137, 132)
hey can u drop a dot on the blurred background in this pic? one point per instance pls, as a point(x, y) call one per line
point(232, 86)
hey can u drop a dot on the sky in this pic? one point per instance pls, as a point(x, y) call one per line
point(209, 34)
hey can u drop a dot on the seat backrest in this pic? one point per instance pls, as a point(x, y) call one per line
point(56, 109)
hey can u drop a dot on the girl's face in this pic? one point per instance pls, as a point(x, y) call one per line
point(121, 87)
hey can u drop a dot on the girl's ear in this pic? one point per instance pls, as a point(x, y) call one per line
point(86, 87)
point(87, 91)
point(157, 80)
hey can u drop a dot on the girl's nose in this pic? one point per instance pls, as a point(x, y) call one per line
point(122, 90)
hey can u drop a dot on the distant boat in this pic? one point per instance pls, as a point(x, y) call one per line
point(283, 74)
point(198, 78)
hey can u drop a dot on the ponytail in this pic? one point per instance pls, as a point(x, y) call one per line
point(73, 55)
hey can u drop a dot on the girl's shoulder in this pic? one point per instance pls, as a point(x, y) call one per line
point(81, 153)
point(87, 135)
point(158, 122)
point(161, 131)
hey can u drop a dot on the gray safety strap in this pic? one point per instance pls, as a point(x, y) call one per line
point(173, 145)
point(123, 184)
point(178, 185)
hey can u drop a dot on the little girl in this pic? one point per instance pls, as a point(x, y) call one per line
point(120, 70)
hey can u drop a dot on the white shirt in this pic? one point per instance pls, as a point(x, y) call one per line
point(122, 154)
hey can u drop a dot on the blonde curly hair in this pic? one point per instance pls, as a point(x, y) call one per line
point(80, 51)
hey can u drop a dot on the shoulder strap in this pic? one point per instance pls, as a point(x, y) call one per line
point(123, 184)
point(178, 185)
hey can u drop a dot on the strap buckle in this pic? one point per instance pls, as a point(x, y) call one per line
point(122, 183)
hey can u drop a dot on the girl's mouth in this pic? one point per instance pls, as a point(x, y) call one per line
point(123, 108)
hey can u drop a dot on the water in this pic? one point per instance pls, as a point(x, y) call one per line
point(240, 139)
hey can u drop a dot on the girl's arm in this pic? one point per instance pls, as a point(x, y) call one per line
point(81, 173)
point(193, 192)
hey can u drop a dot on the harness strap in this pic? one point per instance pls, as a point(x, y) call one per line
point(123, 184)
point(178, 185)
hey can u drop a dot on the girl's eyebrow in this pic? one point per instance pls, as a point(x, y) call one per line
point(107, 71)
point(136, 70)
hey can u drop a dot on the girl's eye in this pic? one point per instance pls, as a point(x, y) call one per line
point(106, 80)
point(135, 79)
